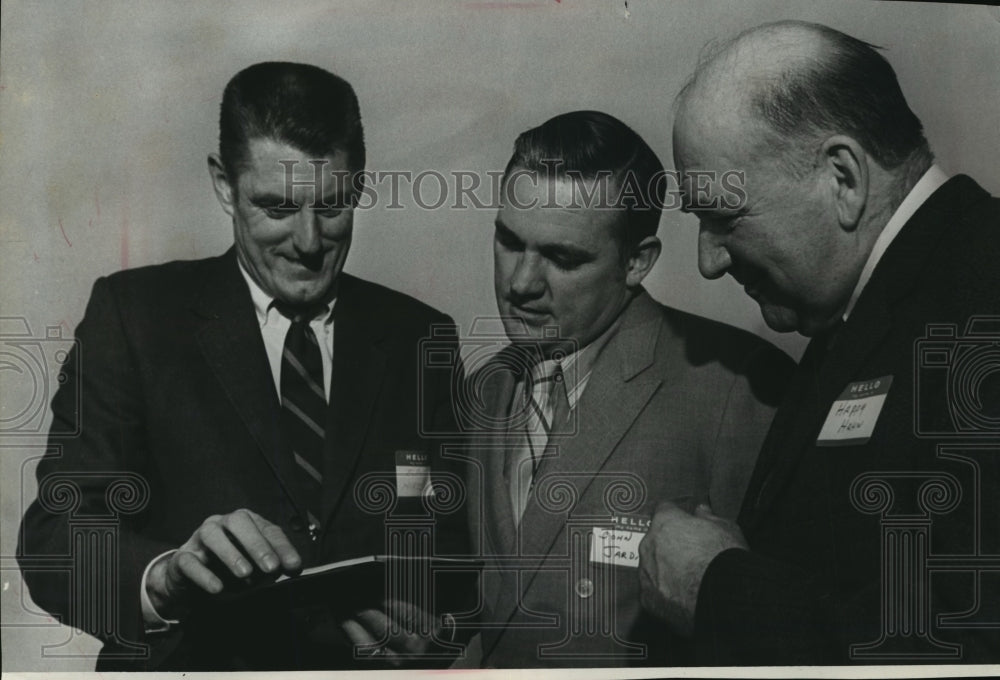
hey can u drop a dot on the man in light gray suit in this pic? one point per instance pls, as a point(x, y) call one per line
point(608, 402)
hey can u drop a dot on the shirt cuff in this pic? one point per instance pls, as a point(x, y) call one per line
point(153, 622)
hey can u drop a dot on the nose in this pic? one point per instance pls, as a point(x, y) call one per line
point(306, 232)
point(713, 258)
point(526, 280)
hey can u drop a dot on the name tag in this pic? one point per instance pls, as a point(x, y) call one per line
point(413, 474)
point(618, 544)
point(853, 416)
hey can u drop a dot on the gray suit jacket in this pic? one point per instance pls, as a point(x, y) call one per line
point(676, 406)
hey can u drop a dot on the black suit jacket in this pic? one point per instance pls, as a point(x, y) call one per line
point(172, 392)
point(885, 551)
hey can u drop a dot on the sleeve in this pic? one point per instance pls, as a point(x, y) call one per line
point(441, 431)
point(754, 395)
point(740, 587)
point(154, 623)
point(93, 489)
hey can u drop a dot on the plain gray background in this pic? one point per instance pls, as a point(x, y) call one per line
point(108, 110)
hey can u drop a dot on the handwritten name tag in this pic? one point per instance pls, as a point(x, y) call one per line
point(853, 416)
point(618, 544)
point(413, 474)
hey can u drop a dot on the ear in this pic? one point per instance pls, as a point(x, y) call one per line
point(224, 191)
point(847, 163)
point(641, 260)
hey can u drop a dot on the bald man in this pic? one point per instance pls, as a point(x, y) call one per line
point(870, 531)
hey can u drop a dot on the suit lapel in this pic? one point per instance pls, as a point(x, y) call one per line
point(230, 340)
point(818, 383)
point(359, 365)
point(497, 519)
point(618, 390)
point(499, 529)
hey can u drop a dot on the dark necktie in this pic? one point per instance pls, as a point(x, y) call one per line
point(303, 409)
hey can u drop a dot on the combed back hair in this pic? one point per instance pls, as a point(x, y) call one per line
point(591, 144)
point(296, 104)
point(847, 88)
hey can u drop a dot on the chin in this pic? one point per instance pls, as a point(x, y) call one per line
point(517, 329)
point(781, 320)
point(304, 295)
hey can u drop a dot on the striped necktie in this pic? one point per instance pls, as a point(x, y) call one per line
point(303, 409)
point(524, 457)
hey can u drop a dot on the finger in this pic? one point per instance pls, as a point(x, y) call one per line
point(705, 510)
point(217, 542)
point(411, 618)
point(358, 634)
point(364, 641)
point(396, 627)
point(242, 526)
point(287, 554)
point(185, 569)
point(375, 622)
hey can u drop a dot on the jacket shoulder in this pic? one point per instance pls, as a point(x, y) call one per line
point(174, 278)
point(708, 339)
point(391, 303)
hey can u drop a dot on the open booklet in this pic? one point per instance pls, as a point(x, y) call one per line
point(439, 584)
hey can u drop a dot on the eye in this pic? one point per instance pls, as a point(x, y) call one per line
point(278, 213)
point(564, 262)
point(720, 224)
point(330, 213)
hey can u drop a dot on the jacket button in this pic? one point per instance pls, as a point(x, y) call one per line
point(296, 523)
point(584, 588)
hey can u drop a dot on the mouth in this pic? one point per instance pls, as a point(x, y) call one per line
point(752, 287)
point(313, 264)
point(530, 313)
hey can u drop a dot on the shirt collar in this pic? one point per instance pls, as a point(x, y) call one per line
point(577, 366)
point(921, 191)
point(263, 304)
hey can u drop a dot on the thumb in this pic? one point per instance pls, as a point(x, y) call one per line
point(704, 510)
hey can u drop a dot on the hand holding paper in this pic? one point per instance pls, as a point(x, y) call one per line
point(239, 544)
point(408, 631)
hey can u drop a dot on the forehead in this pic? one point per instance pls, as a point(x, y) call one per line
point(544, 211)
point(270, 165)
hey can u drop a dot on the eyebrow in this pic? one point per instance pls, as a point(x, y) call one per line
point(713, 211)
point(549, 249)
point(273, 200)
point(505, 230)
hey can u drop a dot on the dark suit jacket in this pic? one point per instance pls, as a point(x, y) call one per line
point(676, 406)
point(843, 539)
point(172, 391)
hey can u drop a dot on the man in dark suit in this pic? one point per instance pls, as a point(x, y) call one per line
point(604, 403)
point(871, 527)
point(248, 407)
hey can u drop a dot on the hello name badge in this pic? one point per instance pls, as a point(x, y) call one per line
point(413, 474)
point(853, 415)
point(618, 544)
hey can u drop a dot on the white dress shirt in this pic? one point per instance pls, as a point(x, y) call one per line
point(273, 327)
point(921, 191)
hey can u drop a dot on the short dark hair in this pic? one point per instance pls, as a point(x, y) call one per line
point(586, 144)
point(296, 104)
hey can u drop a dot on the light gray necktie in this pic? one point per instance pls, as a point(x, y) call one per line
point(525, 455)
